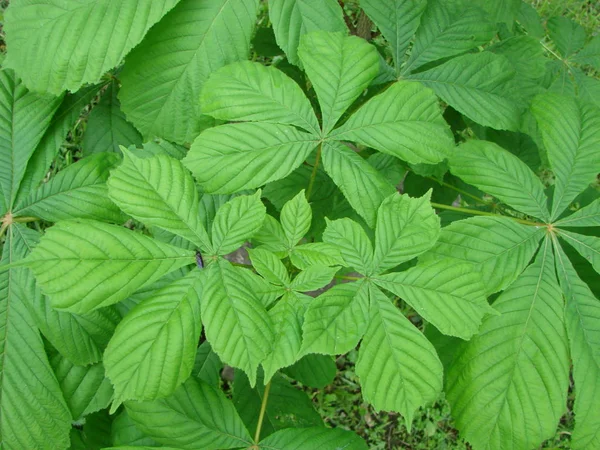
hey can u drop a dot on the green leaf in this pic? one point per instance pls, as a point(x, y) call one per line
point(160, 192)
point(525, 53)
point(76, 192)
point(316, 253)
point(295, 218)
point(232, 157)
point(340, 68)
point(207, 365)
point(194, 39)
point(397, 366)
point(28, 387)
point(588, 216)
point(60, 46)
point(336, 320)
point(499, 11)
point(448, 30)
point(404, 121)
point(24, 116)
point(571, 134)
point(508, 385)
point(154, 347)
point(249, 91)
point(265, 292)
point(567, 35)
point(529, 18)
point(352, 242)
point(498, 248)
point(125, 433)
point(236, 323)
point(293, 18)
point(362, 185)
point(271, 237)
point(313, 278)
point(107, 128)
point(184, 420)
point(312, 438)
point(586, 246)
point(269, 266)
point(406, 227)
point(316, 371)
point(582, 315)
point(84, 265)
point(478, 86)
point(449, 295)
point(498, 172)
point(85, 388)
point(398, 20)
point(590, 54)
point(236, 222)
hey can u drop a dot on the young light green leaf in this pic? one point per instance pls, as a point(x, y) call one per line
point(477, 85)
point(265, 292)
point(586, 246)
point(571, 134)
point(336, 320)
point(352, 242)
point(28, 387)
point(184, 421)
point(287, 317)
point(568, 35)
point(193, 40)
point(398, 20)
point(498, 248)
point(313, 278)
point(508, 385)
point(316, 253)
point(84, 265)
point(498, 172)
point(590, 54)
point(449, 295)
point(236, 323)
point(24, 116)
point(340, 68)
point(76, 192)
point(159, 192)
point(293, 18)
point(295, 218)
point(362, 185)
point(588, 216)
point(153, 349)
point(446, 30)
point(397, 366)
point(249, 91)
point(582, 315)
point(271, 237)
point(236, 222)
point(312, 438)
point(107, 128)
point(404, 121)
point(269, 266)
point(406, 227)
point(233, 157)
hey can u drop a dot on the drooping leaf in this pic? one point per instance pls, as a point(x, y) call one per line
point(57, 46)
point(194, 39)
point(159, 192)
point(498, 248)
point(232, 157)
point(293, 18)
point(336, 320)
point(84, 265)
point(76, 192)
point(571, 134)
point(316, 371)
point(312, 438)
point(352, 242)
point(478, 86)
point(362, 185)
point(398, 20)
point(448, 30)
point(397, 366)
point(501, 174)
point(153, 349)
point(406, 227)
point(249, 91)
point(588, 216)
point(404, 121)
point(183, 419)
point(24, 116)
point(586, 246)
point(508, 385)
point(295, 218)
point(236, 222)
point(269, 266)
point(568, 35)
point(236, 323)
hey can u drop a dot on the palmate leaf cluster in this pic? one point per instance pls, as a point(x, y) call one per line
point(219, 125)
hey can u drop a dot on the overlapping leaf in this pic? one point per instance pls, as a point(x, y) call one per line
point(311, 438)
point(352, 242)
point(588, 216)
point(586, 246)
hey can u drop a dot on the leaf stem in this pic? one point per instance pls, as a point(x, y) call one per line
point(485, 213)
point(462, 192)
point(3, 229)
point(263, 408)
point(313, 175)
point(25, 219)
